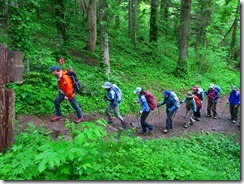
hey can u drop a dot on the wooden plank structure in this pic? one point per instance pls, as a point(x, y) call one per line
point(11, 69)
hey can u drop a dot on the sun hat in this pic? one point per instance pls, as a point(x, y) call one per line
point(138, 89)
point(106, 85)
point(53, 68)
point(166, 92)
point(211, 86)
point(189, 95)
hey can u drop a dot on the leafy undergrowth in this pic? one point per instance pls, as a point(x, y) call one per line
point(90, 154)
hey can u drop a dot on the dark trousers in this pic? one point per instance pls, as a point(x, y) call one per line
point(144, 124)
point(233, 112)
point(169, 119)
point(74, 104)
point(197, 114)
point(211, 107)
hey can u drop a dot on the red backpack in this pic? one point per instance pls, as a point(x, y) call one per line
point(150, 100)
point(197, 100)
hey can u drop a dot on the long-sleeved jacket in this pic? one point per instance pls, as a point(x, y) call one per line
point(65, 84)
point(234, 98)
point(170, 103)
point(190, 104)
point(111, 96)
point(143, 102)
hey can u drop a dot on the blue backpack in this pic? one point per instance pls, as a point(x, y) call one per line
point(118, 92)
point(218, 89)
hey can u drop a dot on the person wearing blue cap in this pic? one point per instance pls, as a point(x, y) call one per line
point(145, 110)
point(65, 92)
point(170, 109)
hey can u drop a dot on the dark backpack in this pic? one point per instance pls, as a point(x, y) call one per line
point(75, 80)
point(150, 100)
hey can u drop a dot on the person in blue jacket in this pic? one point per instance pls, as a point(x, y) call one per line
point(234, 102)
point(145, 110)
point(170, 109)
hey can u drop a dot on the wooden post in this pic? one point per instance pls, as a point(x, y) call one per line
point(11, 68)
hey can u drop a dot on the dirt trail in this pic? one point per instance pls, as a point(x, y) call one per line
point(157, 118)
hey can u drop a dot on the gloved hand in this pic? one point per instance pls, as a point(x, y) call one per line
point(66, 98)
point(140, 112)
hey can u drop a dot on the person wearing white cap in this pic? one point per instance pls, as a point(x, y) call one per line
point(113, 105)
point(212, 95)
point(145, 110)
point(234, 101)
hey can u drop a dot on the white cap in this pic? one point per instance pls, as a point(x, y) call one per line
point(138, 89)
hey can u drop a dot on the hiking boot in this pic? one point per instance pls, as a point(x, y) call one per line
point(56, 118)
point(215, 117)
point(165, 131)
point(230, 119)
point(110, 120)
point(186, 126)
point(79, 120)
point(233, 121)
point(208, 115)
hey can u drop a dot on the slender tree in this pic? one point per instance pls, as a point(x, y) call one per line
point(153, 21)
point(92, 26)
point(181, 68)
point(233, 51)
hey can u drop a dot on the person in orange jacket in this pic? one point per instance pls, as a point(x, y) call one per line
point(65, 92)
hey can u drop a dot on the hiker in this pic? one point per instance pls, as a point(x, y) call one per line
point(213, 96)
point(170, 109)
point(190, 109)
point(113, 105)
point(65, 92)
point(234, 101)
point(145, 110)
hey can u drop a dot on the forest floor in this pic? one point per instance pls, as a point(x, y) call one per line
point(156, 118)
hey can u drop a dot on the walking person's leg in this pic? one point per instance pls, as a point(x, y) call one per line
point(144, 123)
point(75, 105)
point(235, 113)
point(231, 112)
point(58, 100)
point(209, 106)
point(117, 114)
point(187, 124)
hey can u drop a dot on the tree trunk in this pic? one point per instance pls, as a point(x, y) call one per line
point(153, 21)
point(106, 55)
point(59, 10)
point(181, 69)
point(103, 22)
point(132, 22)
point(164, 16)
point(135, 22)
point(233, 50)
point(92, 26)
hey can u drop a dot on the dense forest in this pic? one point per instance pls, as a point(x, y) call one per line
point(157, 45)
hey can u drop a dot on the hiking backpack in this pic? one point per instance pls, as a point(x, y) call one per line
point(197, 100)
point(176, 99)
point(150, 100)
point(75, 80)
point(201, 94)
point(218, 89)
point(118, 92)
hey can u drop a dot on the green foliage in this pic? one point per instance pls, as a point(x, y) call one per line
point(89, 154)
